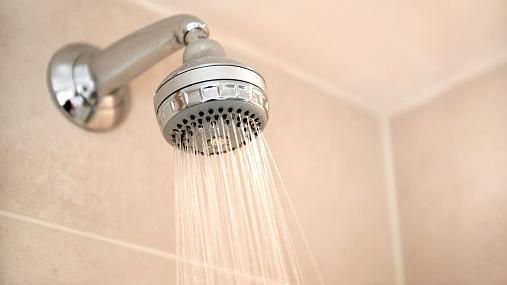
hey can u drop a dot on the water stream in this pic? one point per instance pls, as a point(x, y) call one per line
point(231, 225)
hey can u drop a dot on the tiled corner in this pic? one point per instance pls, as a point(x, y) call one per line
point(451, 167)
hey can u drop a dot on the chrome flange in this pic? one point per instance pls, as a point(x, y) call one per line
point(72, 87)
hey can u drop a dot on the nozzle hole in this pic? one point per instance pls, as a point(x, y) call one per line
point(201, 113)
point(220, 110)
point(230, 110)
point(210, 111)
point(192, 117)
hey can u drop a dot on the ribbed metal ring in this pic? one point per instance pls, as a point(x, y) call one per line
point(204, 74)
point(201, 97)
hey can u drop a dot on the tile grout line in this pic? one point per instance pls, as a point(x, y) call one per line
point(457, 78)
point(392, 200)
point(89, 235)
point(119, 243)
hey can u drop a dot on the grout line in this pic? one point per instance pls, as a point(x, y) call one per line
point(88, 235)
point(435, 90)
point(392, 201)
point(121, 243)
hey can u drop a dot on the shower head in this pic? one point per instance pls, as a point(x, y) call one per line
point(209, 105)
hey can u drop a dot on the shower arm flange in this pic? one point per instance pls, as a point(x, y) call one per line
point(90, 86)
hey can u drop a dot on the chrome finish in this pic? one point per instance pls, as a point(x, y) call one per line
point(201, 102)
point(192, 96)
point(203, 73)
point(201, 48)
point(74, 91)
point(90, 85)
point(119, 63)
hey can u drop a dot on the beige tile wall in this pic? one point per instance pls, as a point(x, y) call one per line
point(451, 168)
point(119, 184)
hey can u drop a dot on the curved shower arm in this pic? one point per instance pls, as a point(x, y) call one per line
point(116, 65)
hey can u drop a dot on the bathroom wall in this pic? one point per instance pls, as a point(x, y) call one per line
point(451, 167)
point(78, 207)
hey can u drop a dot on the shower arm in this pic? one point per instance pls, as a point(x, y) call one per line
point(89, 85)
point(125, 59)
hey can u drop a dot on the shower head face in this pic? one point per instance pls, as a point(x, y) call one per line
point(211, 105)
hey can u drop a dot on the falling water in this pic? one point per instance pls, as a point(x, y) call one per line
point(230, 223)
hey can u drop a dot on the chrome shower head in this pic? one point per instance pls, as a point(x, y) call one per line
point(211, 105)
point(217, 103)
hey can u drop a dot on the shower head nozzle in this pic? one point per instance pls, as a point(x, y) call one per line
point(211, 105)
